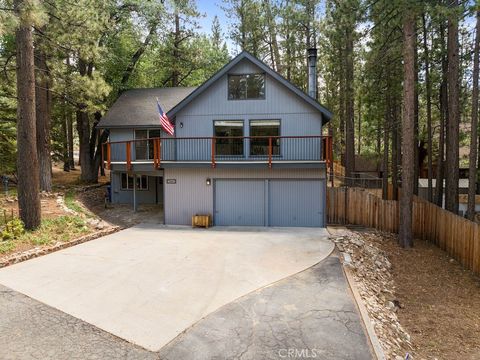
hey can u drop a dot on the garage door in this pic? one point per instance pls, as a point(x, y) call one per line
point(271, 202)
point(240, 202)
point(296, 203)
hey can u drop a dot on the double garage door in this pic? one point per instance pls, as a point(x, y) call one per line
point(273, 202)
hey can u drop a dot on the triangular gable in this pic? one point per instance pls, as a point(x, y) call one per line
point(327, 115)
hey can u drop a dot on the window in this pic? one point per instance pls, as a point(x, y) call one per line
point(246, 87)
point(152, 134)
point(264, 129)
point(228, 146)
point(127, 182)
point(144, 149)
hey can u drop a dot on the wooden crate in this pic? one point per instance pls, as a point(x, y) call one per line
point(202, 220)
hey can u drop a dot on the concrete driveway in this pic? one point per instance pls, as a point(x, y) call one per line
point(149, 283)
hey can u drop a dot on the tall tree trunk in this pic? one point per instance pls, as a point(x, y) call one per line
point(83, 129)
point(408, 134)
point(416, 169)
point(176, 50)
point(349, 109)
point(27, 160)
point(452, 153)
point(272, 33)
point(42, 115)
point(71, 159)
point(428, 86)
point(66, 165)
point(341, 108)
point(69, 119)
point(359, 135)
point(386, 147)
point(472, 171)
point(395, 152)
point(443, 100)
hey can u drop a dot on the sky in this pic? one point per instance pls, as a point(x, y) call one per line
point(210, 8)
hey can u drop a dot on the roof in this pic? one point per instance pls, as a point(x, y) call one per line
point(327, 115)
point(138, 108)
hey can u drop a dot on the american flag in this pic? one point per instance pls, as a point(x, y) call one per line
point(164, 121)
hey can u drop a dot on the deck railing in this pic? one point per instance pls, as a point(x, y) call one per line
point(214, 150)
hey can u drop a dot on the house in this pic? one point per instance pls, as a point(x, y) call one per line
point(248, 148)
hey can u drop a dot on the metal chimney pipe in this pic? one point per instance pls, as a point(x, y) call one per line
point(312, 72)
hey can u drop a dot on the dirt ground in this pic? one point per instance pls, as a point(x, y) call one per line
point(50, 207)
point(118, 214)
point(440, 301)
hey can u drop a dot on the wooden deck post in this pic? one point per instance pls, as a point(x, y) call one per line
point(129, 155)
point(108, 156)
point(213, 152)
point(156, 153)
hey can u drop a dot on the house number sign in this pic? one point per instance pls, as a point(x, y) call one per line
point(171, 181)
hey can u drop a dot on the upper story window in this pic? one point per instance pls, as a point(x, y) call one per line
point(144, 149)
point(228, 135)
point(261, 130)
point(246, 87)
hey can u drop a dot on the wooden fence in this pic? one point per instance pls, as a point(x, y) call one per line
point(459, 237)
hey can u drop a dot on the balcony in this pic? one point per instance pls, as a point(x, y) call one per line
point(218, 151)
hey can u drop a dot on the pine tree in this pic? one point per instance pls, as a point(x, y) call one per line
point(408, 136)
point(27, 160)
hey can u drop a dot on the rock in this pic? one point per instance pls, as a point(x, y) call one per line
point(347, 259)
point(357, 242)
point(100, 225)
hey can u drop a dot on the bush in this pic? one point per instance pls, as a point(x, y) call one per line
point(12, 230)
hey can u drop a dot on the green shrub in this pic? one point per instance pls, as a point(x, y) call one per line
point(12, 230)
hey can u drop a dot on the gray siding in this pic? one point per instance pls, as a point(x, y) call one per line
point(149, 196)
point(190, 194)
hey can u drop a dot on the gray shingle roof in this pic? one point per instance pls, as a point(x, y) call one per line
point(138, 107)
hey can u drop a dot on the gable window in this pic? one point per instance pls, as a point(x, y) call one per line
point(264, 129)
point(228, 135)
point(144, 149)
point(127, 182)
point(246, 87)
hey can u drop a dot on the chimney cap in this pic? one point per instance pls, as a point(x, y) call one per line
point(312, 52)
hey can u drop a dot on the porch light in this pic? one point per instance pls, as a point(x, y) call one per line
point(181, 125)
point(209, 181)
